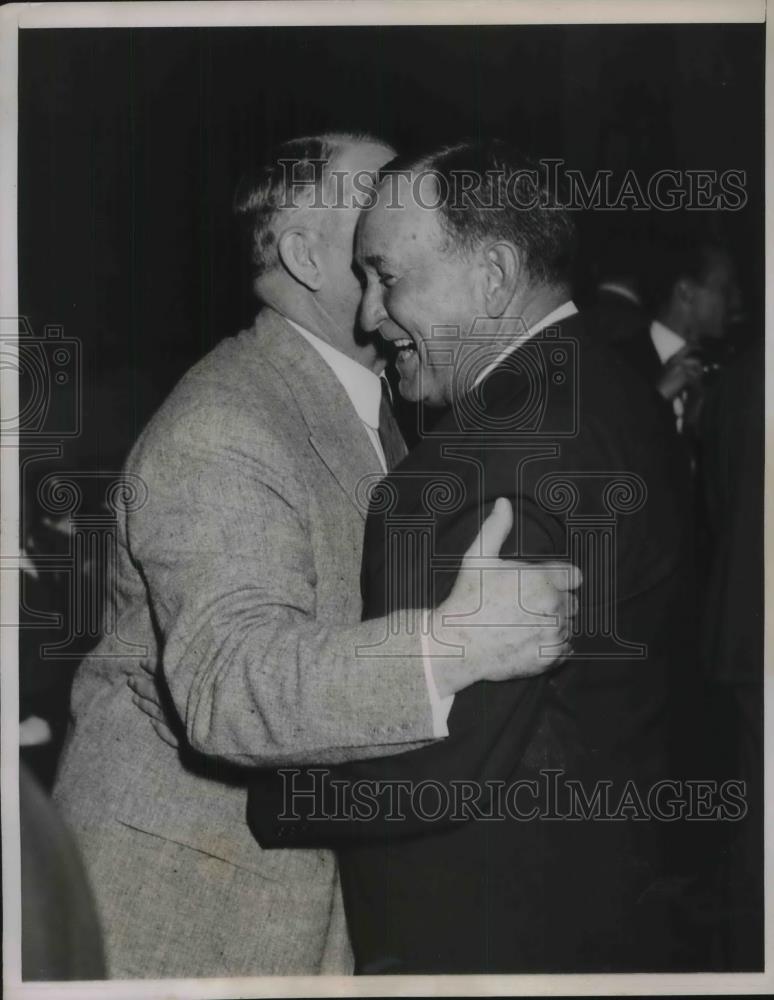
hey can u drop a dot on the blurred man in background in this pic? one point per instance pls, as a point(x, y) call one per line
point(693, 296)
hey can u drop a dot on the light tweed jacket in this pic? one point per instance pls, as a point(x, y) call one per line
point(240, 575)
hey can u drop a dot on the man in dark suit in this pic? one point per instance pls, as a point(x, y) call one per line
point(473, 855)
point(693, 296)
point(618, 312)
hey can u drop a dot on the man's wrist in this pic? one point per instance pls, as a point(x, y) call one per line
point(451, 662)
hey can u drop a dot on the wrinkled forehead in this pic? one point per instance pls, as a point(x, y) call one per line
point(347, 188)
point(396, 225)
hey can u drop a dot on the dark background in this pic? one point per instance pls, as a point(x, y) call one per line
point(131, 143)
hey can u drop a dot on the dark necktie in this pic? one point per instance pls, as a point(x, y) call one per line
point(393, 445)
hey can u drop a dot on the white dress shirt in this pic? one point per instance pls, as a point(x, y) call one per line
point(667, 344)
point(365, 392)
point(666, 341)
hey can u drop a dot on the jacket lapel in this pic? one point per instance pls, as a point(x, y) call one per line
point(336, 431)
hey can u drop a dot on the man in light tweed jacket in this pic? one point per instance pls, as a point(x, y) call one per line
point(239, 583)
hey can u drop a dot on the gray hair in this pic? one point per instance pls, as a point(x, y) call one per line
point(295, 166)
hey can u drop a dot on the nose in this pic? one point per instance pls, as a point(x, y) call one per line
point(372, 311)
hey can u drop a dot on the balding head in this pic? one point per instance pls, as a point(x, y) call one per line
point(299, 210)
point(310, 173)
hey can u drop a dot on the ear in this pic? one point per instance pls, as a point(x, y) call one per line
point(503, 273)
point(299, 253)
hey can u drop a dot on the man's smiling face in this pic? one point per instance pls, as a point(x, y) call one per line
point(415, 283)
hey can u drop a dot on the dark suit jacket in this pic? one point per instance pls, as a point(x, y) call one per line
point(640, 352)
point(615, 319)
point(578, 443)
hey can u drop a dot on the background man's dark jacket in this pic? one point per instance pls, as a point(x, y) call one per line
point(584, 451)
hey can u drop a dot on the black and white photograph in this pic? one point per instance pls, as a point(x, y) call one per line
point(383, 457)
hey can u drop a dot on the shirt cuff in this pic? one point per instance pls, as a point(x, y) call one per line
point(440, 707)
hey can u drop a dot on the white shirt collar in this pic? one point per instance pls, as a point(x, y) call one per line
point(666, 341)
point(555, 316)
point(361, 384)
point(622, 290)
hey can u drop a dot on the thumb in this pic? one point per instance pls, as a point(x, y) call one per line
point(563, 575)
point(494, 531)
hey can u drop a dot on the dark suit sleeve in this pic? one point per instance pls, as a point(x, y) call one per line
point(423, 791)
